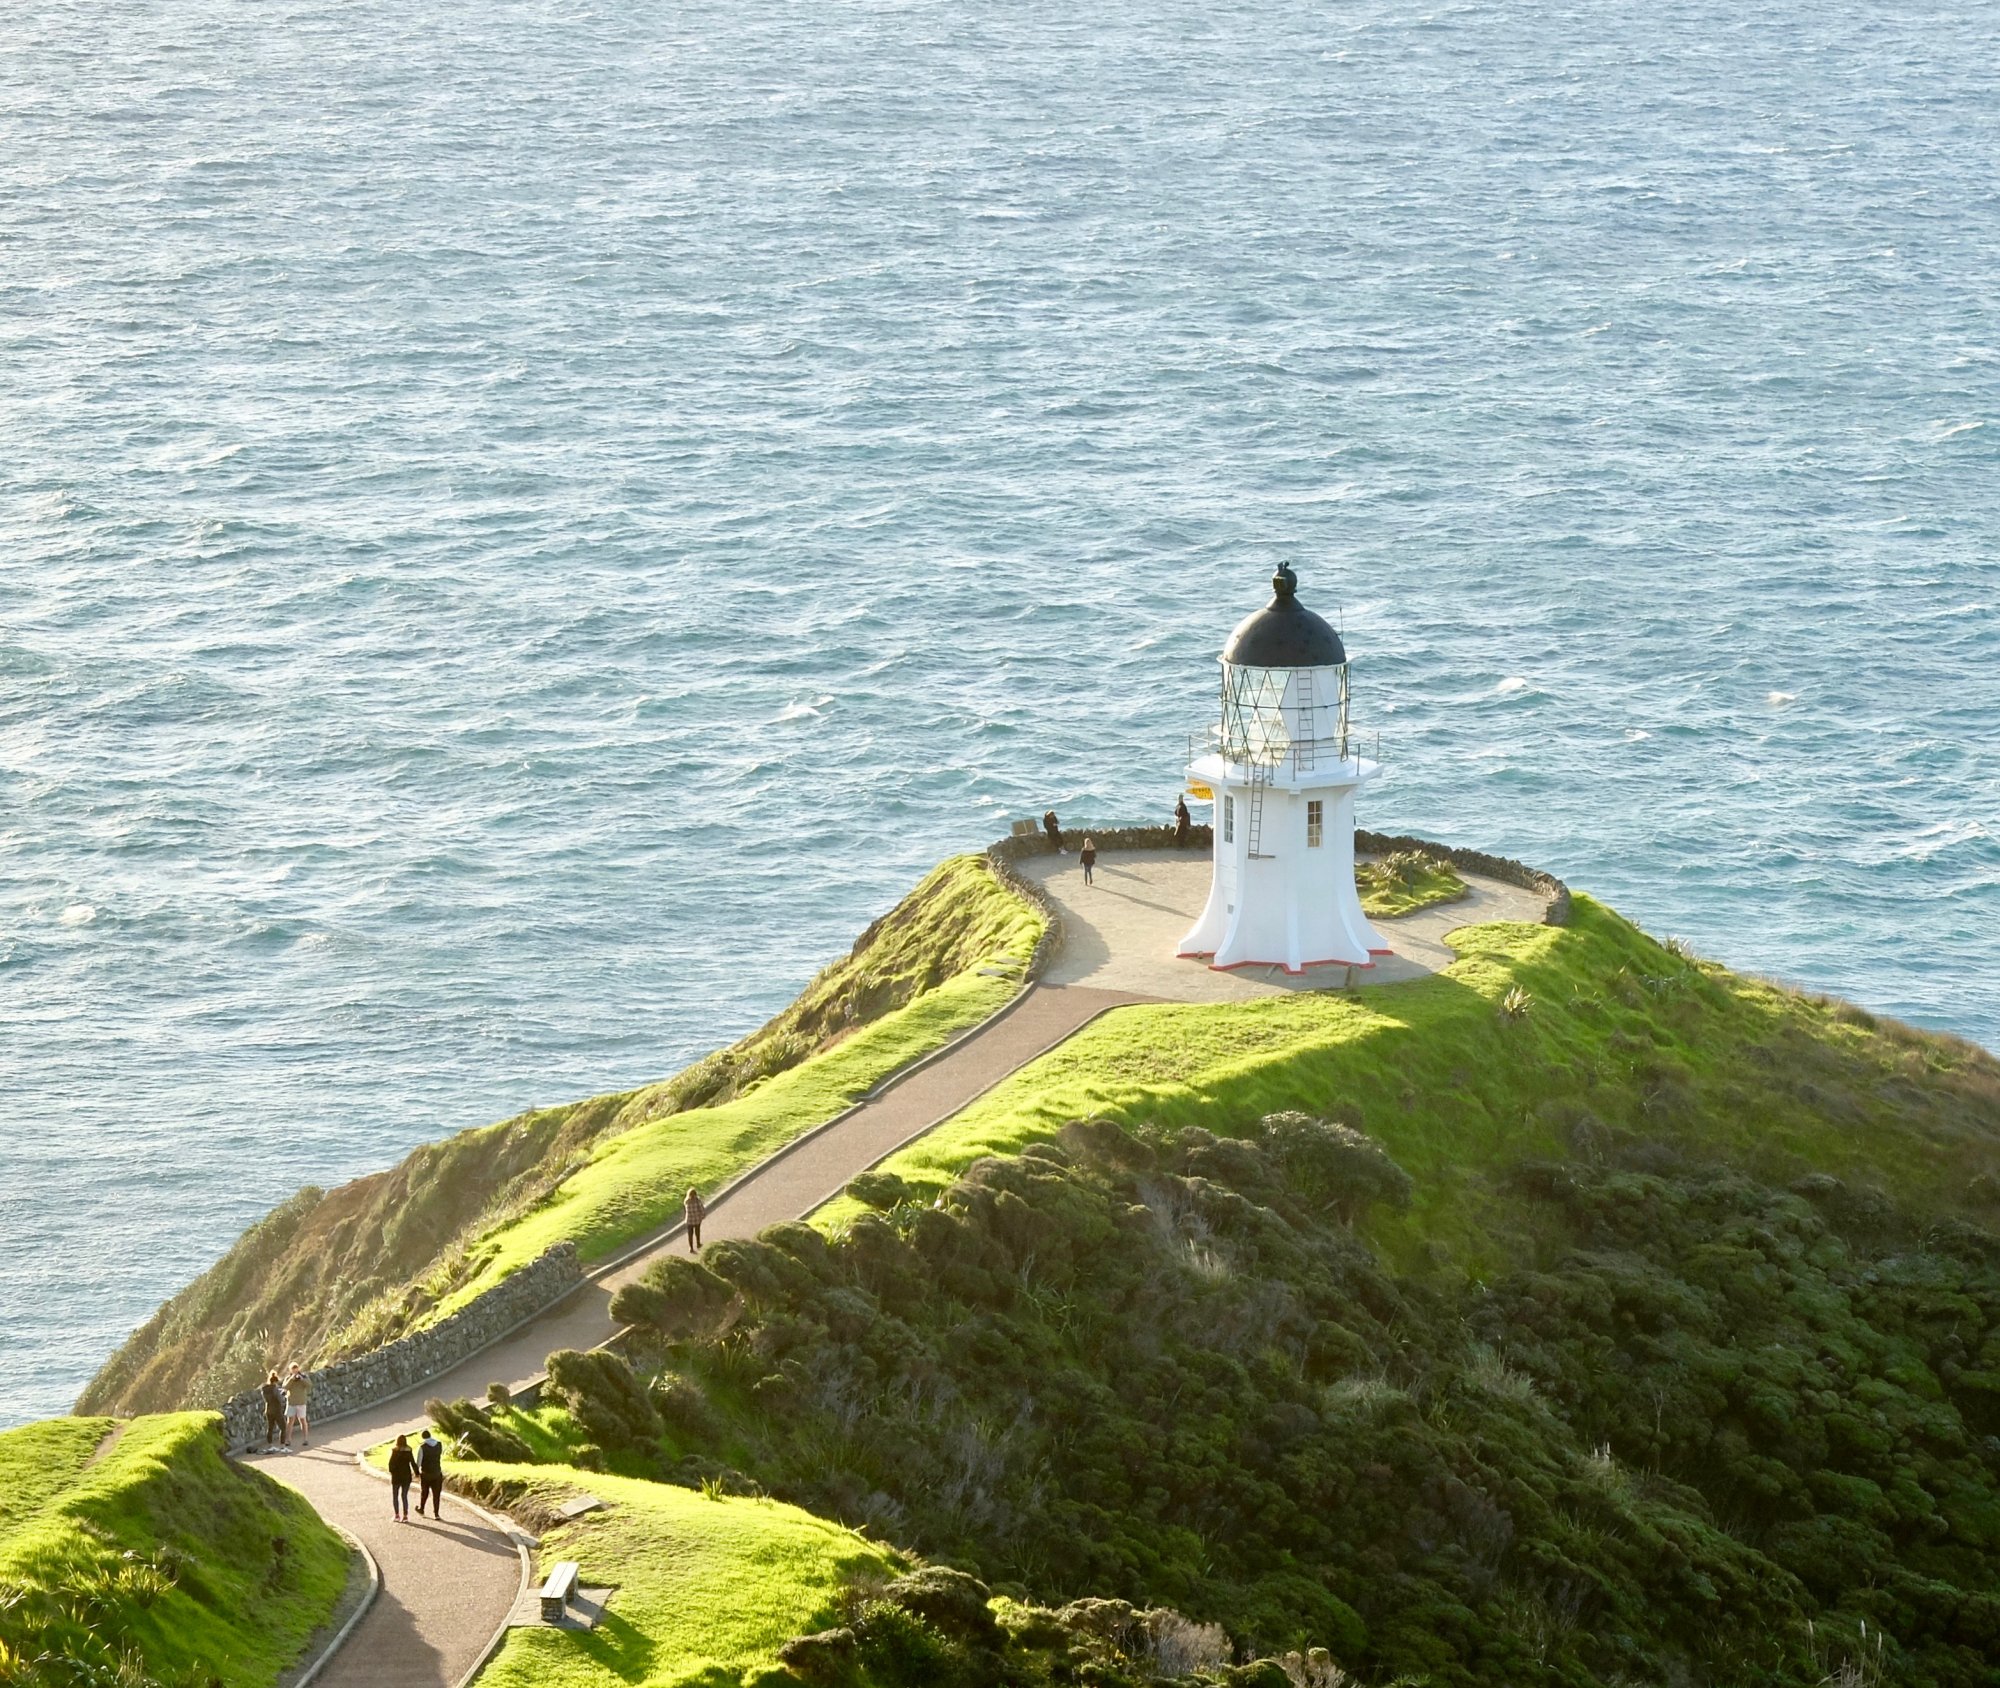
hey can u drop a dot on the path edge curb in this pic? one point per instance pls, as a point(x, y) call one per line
point(502, 1525)
point(612, 1341)
point(654, 1239)
point(353, 1618)
point(647, 1244)
point(1049, 1048)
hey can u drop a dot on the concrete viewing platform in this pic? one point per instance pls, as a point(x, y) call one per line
point(1120, 933)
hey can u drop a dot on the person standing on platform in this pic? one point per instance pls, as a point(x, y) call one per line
point(695, 1213)
point(1054, 831)
point(1088, 856)
point(1182, 821)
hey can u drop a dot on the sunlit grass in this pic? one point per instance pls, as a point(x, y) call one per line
point(162, 1554)
point(702, 1584)
point(1604, 1030)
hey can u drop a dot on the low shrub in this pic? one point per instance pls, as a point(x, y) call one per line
point(605, 1396)
point(475, 1434)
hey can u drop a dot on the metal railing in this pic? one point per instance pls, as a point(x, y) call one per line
point(1294, 756)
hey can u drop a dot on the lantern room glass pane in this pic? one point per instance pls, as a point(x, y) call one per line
point(1277, 715)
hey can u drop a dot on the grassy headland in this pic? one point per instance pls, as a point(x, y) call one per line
point(134, 1553)
point(1584, 1314)
point(333, 1273)
point(1718, 1431)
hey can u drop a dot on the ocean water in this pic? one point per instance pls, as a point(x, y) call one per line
point(523, 527)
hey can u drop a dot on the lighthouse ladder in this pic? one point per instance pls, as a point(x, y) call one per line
point(1304, 739)
point(1259, 777)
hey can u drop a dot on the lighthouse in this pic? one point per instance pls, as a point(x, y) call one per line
point(1282, 769)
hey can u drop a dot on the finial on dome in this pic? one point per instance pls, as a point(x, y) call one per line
point(1284, 633)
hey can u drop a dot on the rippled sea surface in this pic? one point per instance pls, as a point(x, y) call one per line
point(522, 527)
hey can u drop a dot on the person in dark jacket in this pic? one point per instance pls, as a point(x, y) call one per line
point(402, 1468)
point(1088, 856)
point(1182, 821)
point(430, 1474)
point(1053, 830)
point(694, 1212)
point(274, 1415)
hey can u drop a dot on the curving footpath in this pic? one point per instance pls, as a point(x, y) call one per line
point(447, 1588)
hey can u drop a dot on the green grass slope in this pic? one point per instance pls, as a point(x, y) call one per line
point(635, 1182)
point(1537, 1041)
point(134, 1554)
point(708, 1586)
point(39, 1461)
point(331, 1273)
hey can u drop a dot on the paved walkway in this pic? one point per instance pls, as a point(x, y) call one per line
point(1121, 933)
point(446, 1588)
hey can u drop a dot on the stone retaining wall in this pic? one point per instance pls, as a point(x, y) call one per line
point(1106, 838)
point(1503, 868)
point(1001, 858)
point(410, 1361)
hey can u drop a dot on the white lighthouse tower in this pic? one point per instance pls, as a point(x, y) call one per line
point(1283, 773)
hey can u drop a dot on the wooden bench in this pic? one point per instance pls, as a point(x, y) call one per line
point(557, 1590)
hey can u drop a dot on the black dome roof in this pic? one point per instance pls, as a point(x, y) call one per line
point(1284, 633)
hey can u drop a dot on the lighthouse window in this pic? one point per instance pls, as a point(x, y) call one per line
point(1315, 823)
point(1228, 820)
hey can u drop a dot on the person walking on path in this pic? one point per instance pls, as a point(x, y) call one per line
point(430, 1473)
point(1053, 829)
point(274, 1415)
point(402, 1468)
point(297, 1388)
point(1182, 821)
point(695, 1213)
point(1088, 856)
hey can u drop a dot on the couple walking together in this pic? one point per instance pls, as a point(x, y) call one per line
point(425, 1462)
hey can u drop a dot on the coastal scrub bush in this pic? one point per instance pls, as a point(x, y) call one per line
point(1406, 880)
point(1709, 1429)
point(606, 1398)
point(939, 1627)
point(474, 1433)
point(1333, 1164)
point(880, 1190)
point(675, 1296)
point(936, 1626)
